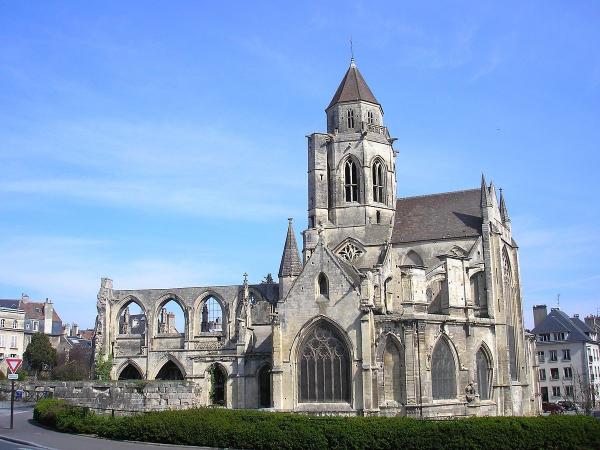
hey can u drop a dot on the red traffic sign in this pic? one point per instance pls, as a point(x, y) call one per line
point(14, 364)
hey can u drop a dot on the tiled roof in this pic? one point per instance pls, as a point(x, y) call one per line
point(438, 216)
point(353, 88)
point(290, 259)
point(557, 321)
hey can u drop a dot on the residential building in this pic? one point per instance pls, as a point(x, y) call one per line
point(568, 356)
point(12, 336)
point(39, 317)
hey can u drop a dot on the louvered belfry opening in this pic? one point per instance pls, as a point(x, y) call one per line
point(324, 367)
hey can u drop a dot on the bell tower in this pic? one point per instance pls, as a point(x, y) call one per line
point(351, 170)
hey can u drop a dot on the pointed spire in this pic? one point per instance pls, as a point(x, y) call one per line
point(353, 88)
point(485, 200)
point(290, 260)
point(492, 194)
point(503, 210)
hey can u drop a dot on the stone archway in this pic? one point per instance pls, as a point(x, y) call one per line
point(264, 387)
point(130, 372)
point(169, 371)
point(218, 384)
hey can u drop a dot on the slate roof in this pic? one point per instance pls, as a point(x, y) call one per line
point(438, 216)
point(557, 321)
point(9, 303)
point(290, 259)
point(33, 310)
point(353, 88)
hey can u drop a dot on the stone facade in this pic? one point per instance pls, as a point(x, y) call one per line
point(398, 306)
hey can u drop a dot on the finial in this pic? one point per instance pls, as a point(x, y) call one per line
point(245, 278)
point(290, 219)
point(352, 64)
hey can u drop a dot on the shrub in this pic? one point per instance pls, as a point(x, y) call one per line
point(216, 427)
point(70, 371)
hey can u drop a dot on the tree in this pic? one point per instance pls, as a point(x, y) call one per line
point(40, 355)
point(268, 279)
point(103, 367)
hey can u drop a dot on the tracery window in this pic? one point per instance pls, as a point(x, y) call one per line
point(350, 252)
point(484, 375)
point(351, 181)
point(324, 367)
point(350, 119)
point(323, 285)
point(378, 182)
point(443, 372)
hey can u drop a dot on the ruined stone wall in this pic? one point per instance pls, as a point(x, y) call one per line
point(121, 397)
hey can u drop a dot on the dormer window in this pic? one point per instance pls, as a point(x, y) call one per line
point(350, 119)
point(350, 181)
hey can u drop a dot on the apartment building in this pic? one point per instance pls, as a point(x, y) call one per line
point(12, 335)
point(568, 356)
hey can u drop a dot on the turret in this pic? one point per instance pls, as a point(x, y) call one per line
point(290, 266)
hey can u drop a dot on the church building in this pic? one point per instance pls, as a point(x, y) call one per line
point(394, 306)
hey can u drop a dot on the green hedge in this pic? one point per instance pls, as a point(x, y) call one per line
point(259, 430)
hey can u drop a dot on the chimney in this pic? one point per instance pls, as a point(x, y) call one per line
point(48, 313)
point(539, 314)
point(75, 330)
point(24, 297)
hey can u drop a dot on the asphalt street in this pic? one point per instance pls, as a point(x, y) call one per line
point(32, 436)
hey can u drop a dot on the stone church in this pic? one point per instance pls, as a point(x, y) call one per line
point(395, 306)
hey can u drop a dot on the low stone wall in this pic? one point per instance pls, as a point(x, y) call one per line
point(115, 397)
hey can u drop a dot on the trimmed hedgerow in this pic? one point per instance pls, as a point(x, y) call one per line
point(259, 430)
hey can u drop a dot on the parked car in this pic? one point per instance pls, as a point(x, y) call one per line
point(569, 405)
point(552, 408)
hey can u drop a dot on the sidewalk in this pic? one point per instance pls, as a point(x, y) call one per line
point(28, 433)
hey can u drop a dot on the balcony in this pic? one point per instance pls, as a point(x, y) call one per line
point(367, 127)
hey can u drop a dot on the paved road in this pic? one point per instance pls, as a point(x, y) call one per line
point(38, 437)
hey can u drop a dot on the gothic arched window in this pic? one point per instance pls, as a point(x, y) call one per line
point(323, 285)
point(484, 374)
point(393, 372)
point(443, 371)
point(351, 181)
point(211, 320)
point(510, 292)
point(370, 117)
point(324, 367)
point(378, 182)
point(350, 119)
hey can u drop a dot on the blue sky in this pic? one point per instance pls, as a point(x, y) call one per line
point(163, 143)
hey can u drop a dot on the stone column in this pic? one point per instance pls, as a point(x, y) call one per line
point(366, 357)
point(277, 371)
